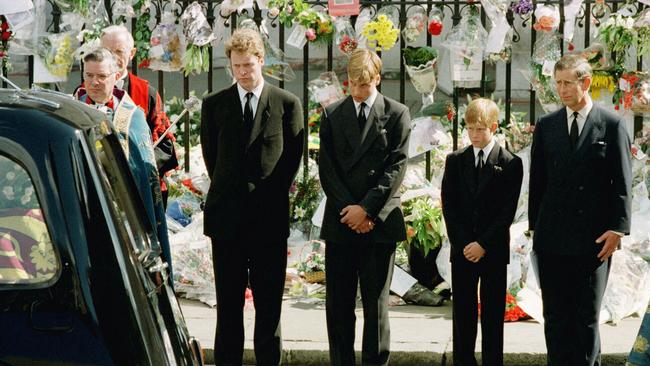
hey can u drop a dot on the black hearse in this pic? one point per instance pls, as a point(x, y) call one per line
point(79, 284)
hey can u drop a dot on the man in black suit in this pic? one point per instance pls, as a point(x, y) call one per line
point(364, 144)
point(252, 140)
point(579, 207)
point(480, 191)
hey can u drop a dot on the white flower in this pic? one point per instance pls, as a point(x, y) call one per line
point(303, 14)
point(10, 176)
point(8, 192)
point(17, 167)
point(274, 12)
point(299, 213)
point(29, 191)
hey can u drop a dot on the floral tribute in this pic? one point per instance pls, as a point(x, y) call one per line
point(318, 24)
point(522, 7)
point(5, 36)
point(382, 32)
point(142, 33)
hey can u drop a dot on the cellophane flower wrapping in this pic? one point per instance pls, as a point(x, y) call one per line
point(198, 35)
point(467, 40)
point(416, 22)
point(345, 37)
point(642, 27)
point(641, 94)
point(546, 53)
point(167, 45)
point(57, 51)
point(499, 39)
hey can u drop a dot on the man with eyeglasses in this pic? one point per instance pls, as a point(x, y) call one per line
point(100, 75)
point(119, 40)
point(579, 208)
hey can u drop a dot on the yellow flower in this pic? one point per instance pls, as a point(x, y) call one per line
point(380, 33)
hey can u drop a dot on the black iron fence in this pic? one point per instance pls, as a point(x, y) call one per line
point(453, 11)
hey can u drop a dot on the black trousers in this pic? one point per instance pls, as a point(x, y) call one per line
point(465, 277)
point(371, 266)
point(262, 264)
point(572, 292)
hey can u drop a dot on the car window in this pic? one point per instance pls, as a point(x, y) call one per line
point(27, 255)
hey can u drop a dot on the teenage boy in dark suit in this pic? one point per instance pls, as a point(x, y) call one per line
point(364, 145)
point(480, 191)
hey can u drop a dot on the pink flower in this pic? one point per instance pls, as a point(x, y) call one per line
point(273, 12)
point(310, 34)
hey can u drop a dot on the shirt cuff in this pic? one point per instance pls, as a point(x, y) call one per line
point(618, 233)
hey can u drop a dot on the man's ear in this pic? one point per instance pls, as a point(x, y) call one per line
point(378, 79)
point(494, 126)
point(586, 83)
point(132, 54)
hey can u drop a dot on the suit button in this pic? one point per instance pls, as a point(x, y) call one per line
point(371, 173)
point(581, 188)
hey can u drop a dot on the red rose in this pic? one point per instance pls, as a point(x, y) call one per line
point(5, 36)
point(4, 26)
point(435, 28)
point(571, 47)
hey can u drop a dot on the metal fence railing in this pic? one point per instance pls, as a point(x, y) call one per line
point(453, 11)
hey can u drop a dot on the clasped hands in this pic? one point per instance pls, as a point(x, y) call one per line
point(357, 219)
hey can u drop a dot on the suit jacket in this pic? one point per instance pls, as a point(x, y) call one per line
point(481, 212)
point(364, 167)
point(250, 175)
point(576, 196)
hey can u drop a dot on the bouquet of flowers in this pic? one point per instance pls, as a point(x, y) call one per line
point(382, 32)
point(434, 27)
point(601, 81)
point(345, 37)
point(313, 267)
point(420, 64)
point(513, 311)
point(304, 195)
point(618, 34)
point(198, 34)
point(499, 43)
point(522, 7)
point(57, 51)
point(318, 25)
point(167, 45)
point(641, 94)
point(425, 226)
point(5, 36)
point(74, 6)
point(546, 53)
point(466, 42)
point(416, 19)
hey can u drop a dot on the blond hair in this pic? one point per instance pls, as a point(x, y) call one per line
point(246, 41)
point(483, 112)
point(364, 65)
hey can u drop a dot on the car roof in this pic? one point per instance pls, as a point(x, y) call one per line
point(70, 111)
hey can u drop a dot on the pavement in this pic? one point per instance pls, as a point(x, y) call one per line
point(419, 335)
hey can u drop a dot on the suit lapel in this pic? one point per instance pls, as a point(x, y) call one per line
point(469, 169)
point(261, 115)
point(591, 132)
point(373, 128)
point(349, 123)
point(488, 169)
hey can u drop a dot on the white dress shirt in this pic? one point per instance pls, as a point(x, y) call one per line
point(582, 116)
point(255, 99)
point(486, 152)
point(369, 102)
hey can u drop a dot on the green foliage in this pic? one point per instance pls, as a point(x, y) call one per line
point(415, 56)
point(142, 34)
point(304, 194)
point(425, 227)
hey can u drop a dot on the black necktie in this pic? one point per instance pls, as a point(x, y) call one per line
point(361, 118)
point(248, 116)
point(573, 132)
point(479, 165)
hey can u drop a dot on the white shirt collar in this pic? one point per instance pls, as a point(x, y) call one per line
point(370, 101)
point(582, 115)
point(486, 150)
point(120, 82)
point(256, 92)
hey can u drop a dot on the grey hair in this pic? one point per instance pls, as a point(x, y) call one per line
point(102, 54)
point(576, 63)
point(116, 30)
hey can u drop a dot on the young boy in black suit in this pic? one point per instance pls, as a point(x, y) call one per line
point(480, 190)
point(363, 152)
